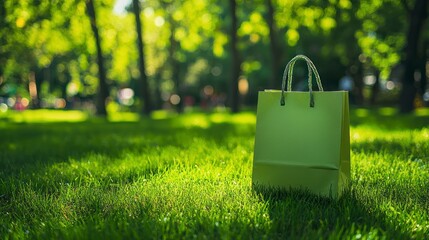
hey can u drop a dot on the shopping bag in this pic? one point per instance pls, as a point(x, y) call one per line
point(302, 138)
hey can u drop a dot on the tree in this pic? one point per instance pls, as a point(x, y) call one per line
point(274, 46)
point(147, 107)
point(187, 45)
point(3, 26)
point(173, 50)
point(417, 17)
point(233, 91)
point(422, 66)
point(103, 90)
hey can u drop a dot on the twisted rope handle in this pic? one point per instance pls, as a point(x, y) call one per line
point(288, 74)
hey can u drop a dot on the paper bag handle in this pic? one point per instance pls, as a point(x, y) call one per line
point(288, 74)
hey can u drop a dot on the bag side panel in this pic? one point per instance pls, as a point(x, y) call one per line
point(344, 176)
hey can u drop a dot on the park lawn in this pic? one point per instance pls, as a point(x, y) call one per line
point(189, 176)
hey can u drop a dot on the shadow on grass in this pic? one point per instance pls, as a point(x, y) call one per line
point(389, 119)
point(296, 213)
point(403, 150)
point(293, 215)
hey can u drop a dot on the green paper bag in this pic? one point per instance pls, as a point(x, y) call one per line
point(302, 138)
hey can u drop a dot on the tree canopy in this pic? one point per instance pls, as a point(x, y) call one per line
point(48, 52)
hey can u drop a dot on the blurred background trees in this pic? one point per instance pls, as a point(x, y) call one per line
point(206, 54)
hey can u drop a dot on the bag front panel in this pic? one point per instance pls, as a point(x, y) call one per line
point(296, 136)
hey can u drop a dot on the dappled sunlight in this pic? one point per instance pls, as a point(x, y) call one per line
point(243, 118)
point(219, 118)
point(202, 180)
point(371, 133)
point(389, 118)
point(396, 146)
point(361, 112)
point(393, 175)
point(387, 111)
point(45, 116)
point(205, 120)
point(217, 203)
point(123, 117)
point(204, 193)
point(190, 174)
point(191, 119)
point(422, 112)
point(194, 120)
point(118, 118)
point(162, 114)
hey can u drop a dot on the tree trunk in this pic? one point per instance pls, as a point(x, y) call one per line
point(175, 68)
point(233, 91)
point(3, 39)
point(417, 17)
point(357, 75)
point(3, 14)
point(375, 90)
point(39, 78)
point(147, 104)
point(422, 66)
point(67, 79)
point(172, 61)
point(103, 91)
point(274, 47)
point(158, 100)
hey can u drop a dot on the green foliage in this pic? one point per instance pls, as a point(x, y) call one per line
point(189, 176)
point(38, 36)
point(383, 32)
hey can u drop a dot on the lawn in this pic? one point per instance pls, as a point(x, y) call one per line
point(64, 175)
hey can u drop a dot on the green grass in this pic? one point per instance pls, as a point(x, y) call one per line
point(189, 176)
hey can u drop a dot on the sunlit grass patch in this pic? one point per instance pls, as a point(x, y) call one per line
point(387, 111)
point(44, 115)
point(389, 118)
point(123, 117)
point(196, 118)
point(422, 112)
point(361, 112)
point(162, 114)
point(243, 118)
